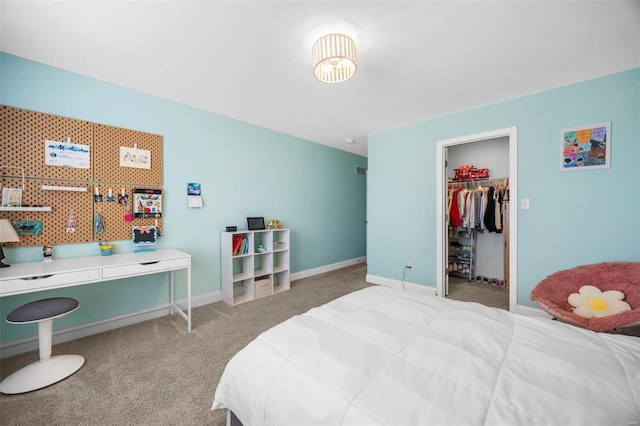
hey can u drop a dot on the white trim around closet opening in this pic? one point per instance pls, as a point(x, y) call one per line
point(441, 179)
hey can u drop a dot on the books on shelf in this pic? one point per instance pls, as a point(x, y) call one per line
point(237, 239)
point(240, 245)
point(11, 197)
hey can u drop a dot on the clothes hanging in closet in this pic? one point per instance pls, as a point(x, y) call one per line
point(476, 208)
point(489, 218)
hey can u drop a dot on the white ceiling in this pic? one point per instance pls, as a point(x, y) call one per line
point(252, 60)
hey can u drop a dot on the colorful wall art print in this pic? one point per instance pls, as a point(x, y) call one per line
point(586, 147)
point(147, 203)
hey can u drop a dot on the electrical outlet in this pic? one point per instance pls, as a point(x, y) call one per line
point(410, 265)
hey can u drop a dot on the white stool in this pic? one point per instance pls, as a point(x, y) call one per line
point(48, 370)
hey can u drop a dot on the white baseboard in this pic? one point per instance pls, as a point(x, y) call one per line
point(388, 282)
point(327, 268)
point(520, 309)
point(29, 344)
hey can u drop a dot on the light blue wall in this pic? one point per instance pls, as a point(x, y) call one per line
point(244, 170)
point(575, 217)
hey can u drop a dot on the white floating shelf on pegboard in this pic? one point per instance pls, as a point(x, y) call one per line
point(24, 209)
point(63, 188)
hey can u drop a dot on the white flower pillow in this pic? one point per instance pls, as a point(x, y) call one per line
point(590, 302)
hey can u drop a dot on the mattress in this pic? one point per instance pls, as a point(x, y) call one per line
point(382, 356)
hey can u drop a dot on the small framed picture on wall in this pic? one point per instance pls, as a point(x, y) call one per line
point(586, 147)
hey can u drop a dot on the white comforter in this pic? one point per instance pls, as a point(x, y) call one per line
point(389, 357)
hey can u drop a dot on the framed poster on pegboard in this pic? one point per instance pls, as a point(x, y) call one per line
point(147, 203)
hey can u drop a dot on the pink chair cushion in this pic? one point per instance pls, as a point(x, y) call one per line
point(552, 292)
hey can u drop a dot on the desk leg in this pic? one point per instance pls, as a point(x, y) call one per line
point(174, 307)
point(173, 300)
point(189, 299)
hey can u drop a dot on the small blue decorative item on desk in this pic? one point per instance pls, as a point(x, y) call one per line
point(106, 249)
point(144, 238)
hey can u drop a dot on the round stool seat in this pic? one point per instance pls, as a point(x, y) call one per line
point(42, 309)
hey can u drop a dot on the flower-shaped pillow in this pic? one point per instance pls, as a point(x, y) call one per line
point(590, 302)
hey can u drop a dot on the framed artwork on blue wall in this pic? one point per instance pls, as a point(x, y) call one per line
point(586, 147)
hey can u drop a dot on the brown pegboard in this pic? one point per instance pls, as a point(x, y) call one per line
point(113, 214)
point(22, 136)
point(106, 156)
point(62, 203)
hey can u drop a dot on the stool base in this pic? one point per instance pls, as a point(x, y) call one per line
point(41, 374)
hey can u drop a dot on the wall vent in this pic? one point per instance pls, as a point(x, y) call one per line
point(361, 170)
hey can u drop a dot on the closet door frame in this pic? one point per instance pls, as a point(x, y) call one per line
point(441, 184)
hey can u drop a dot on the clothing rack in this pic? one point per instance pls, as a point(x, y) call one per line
point(503, 182)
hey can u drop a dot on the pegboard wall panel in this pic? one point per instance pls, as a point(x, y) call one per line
point(115, 215)
point(22, 138)
point(106, 156)
point(54, 223)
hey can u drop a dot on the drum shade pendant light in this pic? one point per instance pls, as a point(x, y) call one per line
point(334, 58)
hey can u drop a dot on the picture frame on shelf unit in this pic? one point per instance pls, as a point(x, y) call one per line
point(255, 223)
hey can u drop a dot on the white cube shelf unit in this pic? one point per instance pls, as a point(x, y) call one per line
point(247, 269)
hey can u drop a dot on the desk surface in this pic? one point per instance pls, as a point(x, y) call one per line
point(58, 266)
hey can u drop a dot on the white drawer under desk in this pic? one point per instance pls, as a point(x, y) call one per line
point(143, 268)
point(48, 281)
point(29, 277)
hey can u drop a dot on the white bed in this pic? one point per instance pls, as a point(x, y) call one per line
point(381, 356)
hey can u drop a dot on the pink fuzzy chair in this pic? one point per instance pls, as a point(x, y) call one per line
point(552, 292)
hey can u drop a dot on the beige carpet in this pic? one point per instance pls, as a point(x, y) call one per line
point(155, 373)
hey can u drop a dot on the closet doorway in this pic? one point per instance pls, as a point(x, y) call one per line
point(488, 249)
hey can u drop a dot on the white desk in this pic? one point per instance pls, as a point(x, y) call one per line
point(29, 277)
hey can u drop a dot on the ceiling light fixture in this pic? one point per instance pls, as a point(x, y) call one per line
point(334, 58)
